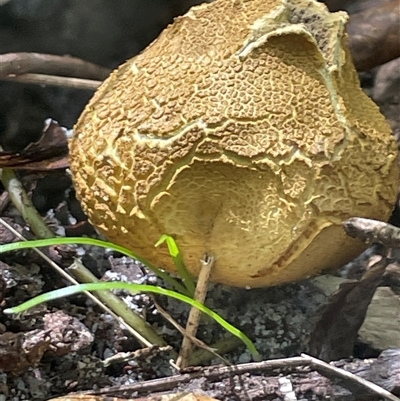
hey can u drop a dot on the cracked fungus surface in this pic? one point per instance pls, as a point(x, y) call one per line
point(241, 131)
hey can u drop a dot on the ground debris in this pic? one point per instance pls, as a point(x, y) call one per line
point(60, 335)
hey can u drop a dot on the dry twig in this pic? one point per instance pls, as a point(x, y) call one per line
point(48, 69)
point(373, 231)
point(303, 382)
point(184, 333)
point(24, 63)
point(350, 379)
point(194, 315)
point(53, 80)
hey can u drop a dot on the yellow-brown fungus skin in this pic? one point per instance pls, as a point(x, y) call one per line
point(242, 132)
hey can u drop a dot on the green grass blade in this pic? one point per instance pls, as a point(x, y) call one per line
point(96, 242)
point(134, 288)
point(176, 256)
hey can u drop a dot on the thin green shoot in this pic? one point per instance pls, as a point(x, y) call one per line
point(96, 242)
point(176, 256)
point(135, 288)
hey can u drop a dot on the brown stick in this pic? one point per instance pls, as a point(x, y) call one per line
point(373, 231)
point(195, 314)
point(22, 63)
point(349, 378)
point(383, 371)
point(54, 80)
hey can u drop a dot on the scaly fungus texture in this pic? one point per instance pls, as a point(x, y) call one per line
point(241, 131)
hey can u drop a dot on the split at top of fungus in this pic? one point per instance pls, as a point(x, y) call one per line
point(242, 132)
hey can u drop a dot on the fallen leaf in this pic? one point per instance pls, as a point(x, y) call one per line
point(50, 152)
point(336, 329)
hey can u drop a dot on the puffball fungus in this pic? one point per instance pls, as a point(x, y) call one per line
point(242, 131)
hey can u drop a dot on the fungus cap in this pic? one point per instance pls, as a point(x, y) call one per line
point(242, 132)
